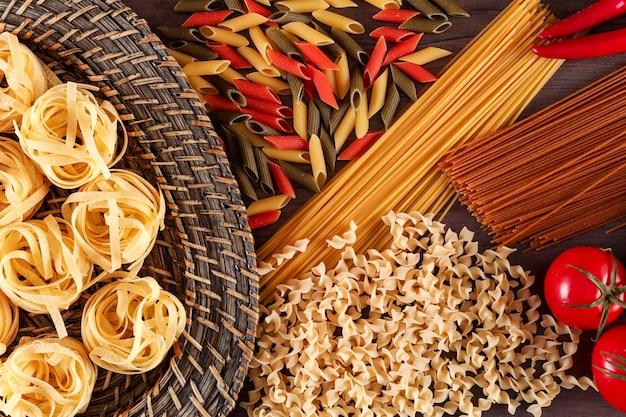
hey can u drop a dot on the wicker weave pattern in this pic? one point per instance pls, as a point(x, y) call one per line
point(206, 253)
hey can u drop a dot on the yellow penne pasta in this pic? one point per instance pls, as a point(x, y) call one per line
point(342, 75)
point(258, 62)
point(377, 97)
point(300, 118)
point(202, 86)
point(181, 57)
point(264, 205)
point(361, 119)
point(338, 21)
point(213, 67)
point(289, 155)
point(426, 55)
point(243, 22)
point(318, 163)
point(255, 140)
point(307, 33)
point(341, 4)
point(344, 128)
point(225, 36)
point(300, 6)
point(385, 4)
point(230, 74)
point(276, 84)
point(260, 42)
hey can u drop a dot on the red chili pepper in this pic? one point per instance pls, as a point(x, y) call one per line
point(598, 12)
point(592, 46)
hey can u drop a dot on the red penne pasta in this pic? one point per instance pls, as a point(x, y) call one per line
point(254, 7)
point(208, 17)
point(257, 221)
point(290, 65)
point(323, 88)
point(275, 122)
point(403, 48)
point(276, 109)
point(396, 15)
point(375, 62)
point(288, 142)
point(359, 145)
point(254, 90)
point(221, 103)
point(416, 72)
point(228, 53)
point(314, 54)
point(391, 34)
point(283, 183)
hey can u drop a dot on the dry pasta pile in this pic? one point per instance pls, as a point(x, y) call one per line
point(485, 87)
point(570, 188)
point(291, 89)
point(104, 230)
point(427, 326)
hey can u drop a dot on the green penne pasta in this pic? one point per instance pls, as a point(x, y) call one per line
point(235, 5)
point(403, 82)
point(248, 160)
point(265, 176)
point(180, 33)
point(451, 8)
point(350, 45)
point(392, 102)
point(336, 116)
point(283, 17)
point(314, 121)
point(428, 9)
point(283, 43)
point(328, 147)
point(190, 6)
point(194, 49)
point(245, 184)
point(300, 176)
point(421, 25)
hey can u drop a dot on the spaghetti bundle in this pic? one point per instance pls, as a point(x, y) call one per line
point(541, 199)
point(485, 87)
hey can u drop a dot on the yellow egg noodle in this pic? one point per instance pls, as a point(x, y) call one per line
point(130, 324)
point(72, 135)
point(23, 187)
point(116, 219)
point(24, 77)
point(427, 326)
point(42, 268)
point(47, 377)
point(10, 322)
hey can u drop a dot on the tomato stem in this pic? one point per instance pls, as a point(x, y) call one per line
point(609, 294)
point(615, 360)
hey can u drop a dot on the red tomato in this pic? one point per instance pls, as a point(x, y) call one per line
point(567, 286)
point(609, 366)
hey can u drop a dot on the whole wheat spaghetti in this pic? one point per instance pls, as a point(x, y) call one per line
point(486, 87)
point(570, 187)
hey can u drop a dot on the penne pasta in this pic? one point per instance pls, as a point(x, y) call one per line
point(416, 72)
point(290, 155)
point(283, 183)
point(235, 5)
point(296, 84)
point(314, 122)
point(260, 42)
point(256, 221)
point(277, 85)
point(390, 107)
point(361, 118)
point(282, 42)
point(375, 63)
point(228, 117)
point(228, 90)
point(191, 6)
point(338, 21)
point(202, 86)
point(358, 146)
point(300, 176)
point(261, 129)
point(293, 142)
point(275, 109)
point(341, 4)
point(180, 33)
point(423, 25)
point(253, 6)
point(266, 204)
point(224, 36)
point(213, 67)
point(227, 53)
point(244, 182)
point(328, 147)
point(323, 87)
point(196, 50)
point(351, 47)
point(231, 75)
point(342, 76)
point(451, 8)
point(403, 82)
point(402, 49)
point(344, 128)
point(392, 34)
point(243, 22)
point(290, 65)
point(307, 33)
point(266, 183)
point(396, 15)
point(324, 110)
point(181, 58)
point(271, 120)
point(250, 89)
point(428, 9)
point(378, 93)
point(426, 55)
point(248, 160)
point(219, 102)
point(385, 4)
point(256, 140)
point(258, 62)
point(300, 6)
point(284, 17)
point(318, 58)
point(318, 163)
point(300, 117)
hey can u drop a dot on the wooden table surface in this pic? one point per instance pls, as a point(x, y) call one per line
point(572, 76)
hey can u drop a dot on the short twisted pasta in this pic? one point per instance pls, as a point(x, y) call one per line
point(130, 324)
point(71, 135)
point(24, 77)
point(22, 186)
point(9, 324)
point(116, 219)
point(42, 268)
point(46, 377)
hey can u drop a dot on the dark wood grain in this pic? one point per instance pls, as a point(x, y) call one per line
point(572, 76)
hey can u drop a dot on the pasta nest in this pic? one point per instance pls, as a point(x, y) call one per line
point(22, 186)
point(130, 324)
point(116, 219)
point(23, 78)
point(9, 324)
point(47, 377)
point(42, 268)
point(72, 135)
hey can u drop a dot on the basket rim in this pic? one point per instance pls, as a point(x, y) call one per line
point(212, 248)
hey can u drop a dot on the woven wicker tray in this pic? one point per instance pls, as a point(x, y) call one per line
point(206, 252)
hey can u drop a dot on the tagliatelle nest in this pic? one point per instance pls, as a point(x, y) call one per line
point(418, 328)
